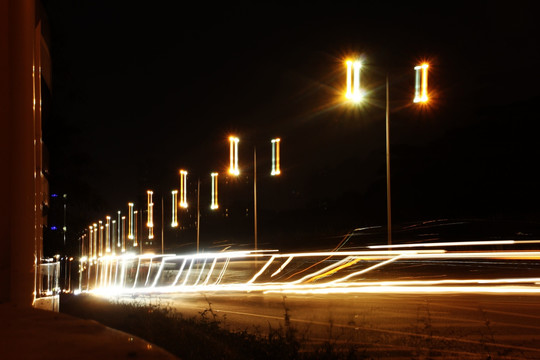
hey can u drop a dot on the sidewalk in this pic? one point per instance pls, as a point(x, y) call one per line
point(38, 334)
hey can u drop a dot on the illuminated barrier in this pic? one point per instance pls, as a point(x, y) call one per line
point(353, 81)
point(420, 89)
point(275, 157)
point(174, 202)
point(183, 189)
point(150, 220)
point(214, 204)
point(131, 222)
point(233, 168)
point(335, 272)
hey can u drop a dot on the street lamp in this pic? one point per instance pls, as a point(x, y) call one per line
point(274, 171)
point(355, 95)
point(174, 215)
point(233, 168)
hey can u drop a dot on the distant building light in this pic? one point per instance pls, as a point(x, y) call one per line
point(54, 195)
point(53, 227)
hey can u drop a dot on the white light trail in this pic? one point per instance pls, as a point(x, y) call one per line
point(334, 275)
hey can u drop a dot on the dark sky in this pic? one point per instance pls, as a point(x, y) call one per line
point(143, 89)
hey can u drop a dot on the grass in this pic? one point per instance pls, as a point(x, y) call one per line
point(201, 337)
point(205, 336)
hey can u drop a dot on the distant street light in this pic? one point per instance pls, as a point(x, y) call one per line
point(131, 221)
point(123, 234)
point(214, 204)
point(275, 157)
point(108, 234)
point(174, 215)
point(150, 221)
point(183, 189)
point(233, 168)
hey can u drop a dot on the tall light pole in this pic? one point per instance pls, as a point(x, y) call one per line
point(388, 199)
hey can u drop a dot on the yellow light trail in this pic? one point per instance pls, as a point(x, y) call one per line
point(197, 278)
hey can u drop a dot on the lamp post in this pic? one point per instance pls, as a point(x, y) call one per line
point(355, 94)
point(233, 170)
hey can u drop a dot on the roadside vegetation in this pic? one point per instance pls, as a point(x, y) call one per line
point(202, 337)
point(206, 336)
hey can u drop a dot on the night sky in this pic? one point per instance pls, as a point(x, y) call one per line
point(141, 90)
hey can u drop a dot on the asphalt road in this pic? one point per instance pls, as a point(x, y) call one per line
point(475, 326)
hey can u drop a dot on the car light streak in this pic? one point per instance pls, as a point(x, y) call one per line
point(335, 276)
point(282, 266)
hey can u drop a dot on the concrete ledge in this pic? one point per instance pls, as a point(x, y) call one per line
point(28, 333)
point(51, 303)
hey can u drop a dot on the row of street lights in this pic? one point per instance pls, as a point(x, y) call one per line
point(103, 235)
point(116, 229)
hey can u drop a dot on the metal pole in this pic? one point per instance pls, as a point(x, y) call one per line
point(162, 239)
point(255, 195)
point(388, 201)
point(198, 211)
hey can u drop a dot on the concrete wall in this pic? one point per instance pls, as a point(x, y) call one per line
point(18, 210)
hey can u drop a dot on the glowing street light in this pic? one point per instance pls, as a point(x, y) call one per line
point(214, 204)
point(183, 189)
point(353, 81)
point(136, 232)
point(355, 95)
point(123, 234)
point(100, 238)
point(114, 236)
point(275, 157)
point(131, 223)
point(90, 241)
point(150, 221)
point(96, 239)
point(420, 88)
point(108, 235)
point(233, 169)
point(174, 216)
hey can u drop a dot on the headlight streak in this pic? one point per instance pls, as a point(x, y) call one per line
point(262, 270)
point(198, 279)
point(282, 266)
